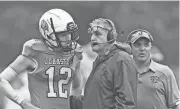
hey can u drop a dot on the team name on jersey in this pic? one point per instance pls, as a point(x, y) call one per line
point(56, 61)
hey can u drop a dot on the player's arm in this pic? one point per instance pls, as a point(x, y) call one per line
point(76, 102)
point(77, 78)
point(7, 75)
point(125, 98)
point(23, 63)
point(76, 97)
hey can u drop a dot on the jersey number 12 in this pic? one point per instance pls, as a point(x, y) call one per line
point(62, 92)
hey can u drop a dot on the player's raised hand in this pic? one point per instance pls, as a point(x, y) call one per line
point(77, 57)
point(26, 104)
point(78, 52)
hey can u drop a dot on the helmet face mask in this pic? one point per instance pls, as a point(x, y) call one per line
point(57, 23)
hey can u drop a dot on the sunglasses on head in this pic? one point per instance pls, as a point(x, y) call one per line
point(93, 29)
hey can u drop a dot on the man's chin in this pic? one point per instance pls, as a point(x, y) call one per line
point(142, 59)
point(95, 49)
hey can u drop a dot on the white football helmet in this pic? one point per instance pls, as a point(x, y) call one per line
point(58, 21)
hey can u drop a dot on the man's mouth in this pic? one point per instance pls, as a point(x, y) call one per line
point(94, 43)
point(142, 54)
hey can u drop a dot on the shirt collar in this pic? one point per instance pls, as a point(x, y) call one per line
point(108, 53)
point(153, 66)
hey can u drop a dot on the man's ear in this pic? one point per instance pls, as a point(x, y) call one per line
point(150, 43)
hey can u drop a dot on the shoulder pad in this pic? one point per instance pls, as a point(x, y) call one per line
point(79, 48)
point(31, 46)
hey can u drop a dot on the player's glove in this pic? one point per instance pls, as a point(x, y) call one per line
point(26, 104)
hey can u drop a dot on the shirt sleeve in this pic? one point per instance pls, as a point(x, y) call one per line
point(172, 91)
point(125, 97)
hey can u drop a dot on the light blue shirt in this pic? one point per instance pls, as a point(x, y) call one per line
point(157, 88)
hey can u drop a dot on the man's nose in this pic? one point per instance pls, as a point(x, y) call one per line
point(93, 37)
point(142, 47)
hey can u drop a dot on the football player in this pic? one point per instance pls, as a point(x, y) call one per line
point(52, 63)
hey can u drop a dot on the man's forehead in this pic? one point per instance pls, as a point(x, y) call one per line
point(63, 35)
point(142, 39)
point(96, 25)
point(100, 24)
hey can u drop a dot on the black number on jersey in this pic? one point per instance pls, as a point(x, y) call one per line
point(63, 93)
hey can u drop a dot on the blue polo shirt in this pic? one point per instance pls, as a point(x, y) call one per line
point(157, 88)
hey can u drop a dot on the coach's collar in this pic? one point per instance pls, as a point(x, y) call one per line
point(153, 66)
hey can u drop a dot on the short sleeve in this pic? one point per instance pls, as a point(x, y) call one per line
point(172, 91)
